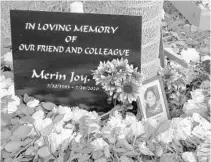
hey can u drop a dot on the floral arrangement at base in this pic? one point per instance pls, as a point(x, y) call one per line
point(42, 131)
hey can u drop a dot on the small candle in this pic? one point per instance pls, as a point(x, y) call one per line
point(76, 7)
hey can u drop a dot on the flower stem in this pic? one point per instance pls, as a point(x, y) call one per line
point(134, 140)
point(118, 108)
point(115, 102)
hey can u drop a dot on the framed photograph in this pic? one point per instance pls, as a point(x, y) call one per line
point(152, 100)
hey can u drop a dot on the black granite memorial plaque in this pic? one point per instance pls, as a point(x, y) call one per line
point(54, 53)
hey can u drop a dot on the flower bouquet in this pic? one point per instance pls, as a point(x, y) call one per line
point(42, 131)
point(121, 81)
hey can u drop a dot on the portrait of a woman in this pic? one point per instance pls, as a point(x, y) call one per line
point(152, 101)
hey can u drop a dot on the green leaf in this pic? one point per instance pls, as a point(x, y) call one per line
point(132, 153)
point(82, 141)
point(151, 145)
point(83, 129)
point(25, 159)
point(65, 144)
point(86, 150)
point(48, 106)
point(46, 140)
point(83, 158)
point(164, 126)
point(47, 130)
point(28, 119)
point(149, 130)
point(125, 159)
point(61, 158)
point(77, 149)
point(26, 98)
point(76, 156)
point(97, 154)
point(26, 110)
point(5, 119)
point(74, 144)
point(58, 118)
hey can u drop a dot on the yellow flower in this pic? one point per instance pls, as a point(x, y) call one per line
point(103, 73)
point(109, 88)
point(122, 65)
point(128, 91)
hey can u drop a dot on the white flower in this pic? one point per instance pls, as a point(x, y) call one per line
point(116, 120)
point(40, 124)
point(137, 128)
point(16, 99)
point(5, 82)
point(78, 137)
point(33, 103)
point(190, 55)
point(117, 115)
point(124, 132)
point(190, 105)
point(144, 149)
point(11, 89)
point(205, 57)
point(129, 119)
point(203, 122)
point(46, 122)
point(78, 113)
point(196, 117)
point(199, 132)
point(39, 142)
point(92, 115)
point(153, 122)
point(8, 58)
point(198, 96)
point(184, 129)
point(66, 111)
point(99, 144)
point(38, 115)
point(4, 92)
point(67, 133)
point(7, 90)
point(58, 127)
point(189, 157)
point(56, 140)
point(163, 14)
point(166, 137)
point(95, 127)
point(12, 106)
point(205, 84)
